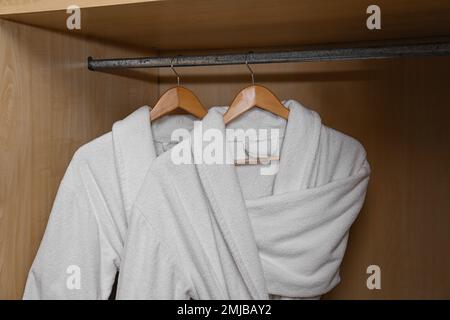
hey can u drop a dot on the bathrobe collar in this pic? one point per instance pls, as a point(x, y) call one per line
point(299, 147)
point(134, 151)
point(223, 189)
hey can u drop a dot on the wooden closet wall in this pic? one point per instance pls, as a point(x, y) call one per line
point(50, 104)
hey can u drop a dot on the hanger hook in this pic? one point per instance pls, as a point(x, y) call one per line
point(250, 69)
point(174, 71)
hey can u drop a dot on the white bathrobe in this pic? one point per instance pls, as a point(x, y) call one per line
point(80, 252)
point(221, 231)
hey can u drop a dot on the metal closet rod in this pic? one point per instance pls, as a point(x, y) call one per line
point(418, 50)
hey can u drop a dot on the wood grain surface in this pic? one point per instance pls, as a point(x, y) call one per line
point(220, 24)
point(50, 104)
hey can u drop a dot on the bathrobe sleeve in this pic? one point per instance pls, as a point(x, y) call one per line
point(79, 253)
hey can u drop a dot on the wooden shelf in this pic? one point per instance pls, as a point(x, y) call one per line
point(13, 7)
point(220, 24)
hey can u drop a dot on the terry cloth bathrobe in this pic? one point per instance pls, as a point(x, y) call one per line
point(81, 249)
point(225, 231)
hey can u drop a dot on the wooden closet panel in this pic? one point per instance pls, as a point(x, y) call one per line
point(50, 104)
point(20, 7)
point(220, 24)
point(399, 110)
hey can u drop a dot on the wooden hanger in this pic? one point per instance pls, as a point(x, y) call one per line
point(178, 100)
point(255, 96)
point(251, 97)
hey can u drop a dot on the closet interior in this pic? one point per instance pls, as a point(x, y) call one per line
point(398, 108)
